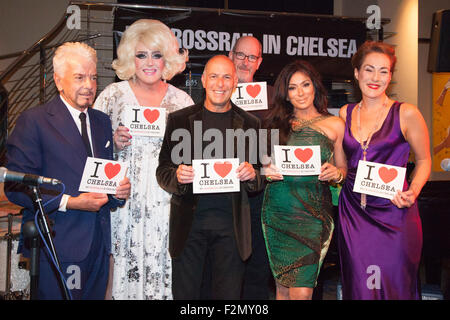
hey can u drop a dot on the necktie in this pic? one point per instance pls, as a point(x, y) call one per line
point(84, 134)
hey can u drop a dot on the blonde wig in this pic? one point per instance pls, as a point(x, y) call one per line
point(153, 34)
point(66, 51)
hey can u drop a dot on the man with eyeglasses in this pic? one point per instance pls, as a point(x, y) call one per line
point(258, 283)
point(246, 56)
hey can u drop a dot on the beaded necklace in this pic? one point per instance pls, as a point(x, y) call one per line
point(365, 145)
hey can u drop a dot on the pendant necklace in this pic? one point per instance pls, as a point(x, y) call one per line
point(365, 145)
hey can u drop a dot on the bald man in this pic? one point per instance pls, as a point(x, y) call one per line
point(258, 282)
point(215, 224)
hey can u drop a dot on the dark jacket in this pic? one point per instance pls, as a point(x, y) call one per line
point(46, 142)
point(183, 202)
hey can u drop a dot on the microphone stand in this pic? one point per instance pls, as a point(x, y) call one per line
point(30, 232)
point(42, 221)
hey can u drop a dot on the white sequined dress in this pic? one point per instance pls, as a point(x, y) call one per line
point(140, 230)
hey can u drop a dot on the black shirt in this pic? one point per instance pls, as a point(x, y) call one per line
point(214, 210)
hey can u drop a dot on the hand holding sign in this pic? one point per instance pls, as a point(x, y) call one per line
point(271, 172)
point(329, 172)
point(124, 189)
point(404, 199)
point(91, 201)
point(122, 137)
point(185, 174)
point(245, 172)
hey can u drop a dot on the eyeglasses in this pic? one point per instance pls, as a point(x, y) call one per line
point(144, 55)
point(242, 56)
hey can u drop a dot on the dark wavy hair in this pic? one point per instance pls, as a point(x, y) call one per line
point(282, 111)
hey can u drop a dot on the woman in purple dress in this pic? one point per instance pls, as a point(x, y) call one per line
point(380, 240)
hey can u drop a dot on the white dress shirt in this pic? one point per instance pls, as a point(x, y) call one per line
point(76, 118)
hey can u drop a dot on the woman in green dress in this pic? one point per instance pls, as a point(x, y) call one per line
point(297, 210)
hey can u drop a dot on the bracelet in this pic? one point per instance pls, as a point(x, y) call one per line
point(341, 177)
point(269, 179)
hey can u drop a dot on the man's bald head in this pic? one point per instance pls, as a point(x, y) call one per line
point(219, 80)
point(248, 41)
point(219, 60)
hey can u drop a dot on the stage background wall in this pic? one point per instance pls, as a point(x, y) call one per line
point(328, 43)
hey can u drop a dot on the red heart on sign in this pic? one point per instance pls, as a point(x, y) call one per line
point(222, 169)
point(303, 155)
point(387, 175)
point(151, 115)
point(111, 170)
point(253, 90)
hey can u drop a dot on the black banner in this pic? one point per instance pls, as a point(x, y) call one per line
point(325, 41)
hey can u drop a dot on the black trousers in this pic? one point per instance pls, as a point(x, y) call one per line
point(258, 281)
point(226, 266)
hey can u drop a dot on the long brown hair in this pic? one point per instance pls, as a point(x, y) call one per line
point(282, 111)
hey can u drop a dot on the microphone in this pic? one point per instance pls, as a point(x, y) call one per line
point(25, 178)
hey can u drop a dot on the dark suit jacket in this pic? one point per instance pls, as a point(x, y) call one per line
point(46, 142)
point(183, 202)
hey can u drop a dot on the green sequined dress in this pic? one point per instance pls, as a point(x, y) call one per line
point(297, 217)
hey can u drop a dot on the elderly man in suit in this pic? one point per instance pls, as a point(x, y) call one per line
point(54, 140)
point(214, 224)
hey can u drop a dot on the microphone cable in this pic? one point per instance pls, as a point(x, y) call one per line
point(45, 242)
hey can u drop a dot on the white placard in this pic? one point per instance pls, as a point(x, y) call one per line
point(298, 160)
point(215, 175)
point(251, 96)
point(102, 176)
point(378, 179)
point(145, 121)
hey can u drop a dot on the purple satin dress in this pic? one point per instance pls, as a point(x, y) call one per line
point(379, 247)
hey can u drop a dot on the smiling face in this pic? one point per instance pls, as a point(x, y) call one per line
point(301, 92)
point(78, 82)
point(149, 64)
point(219, 80)
point(246, 69)
point(374, 75)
